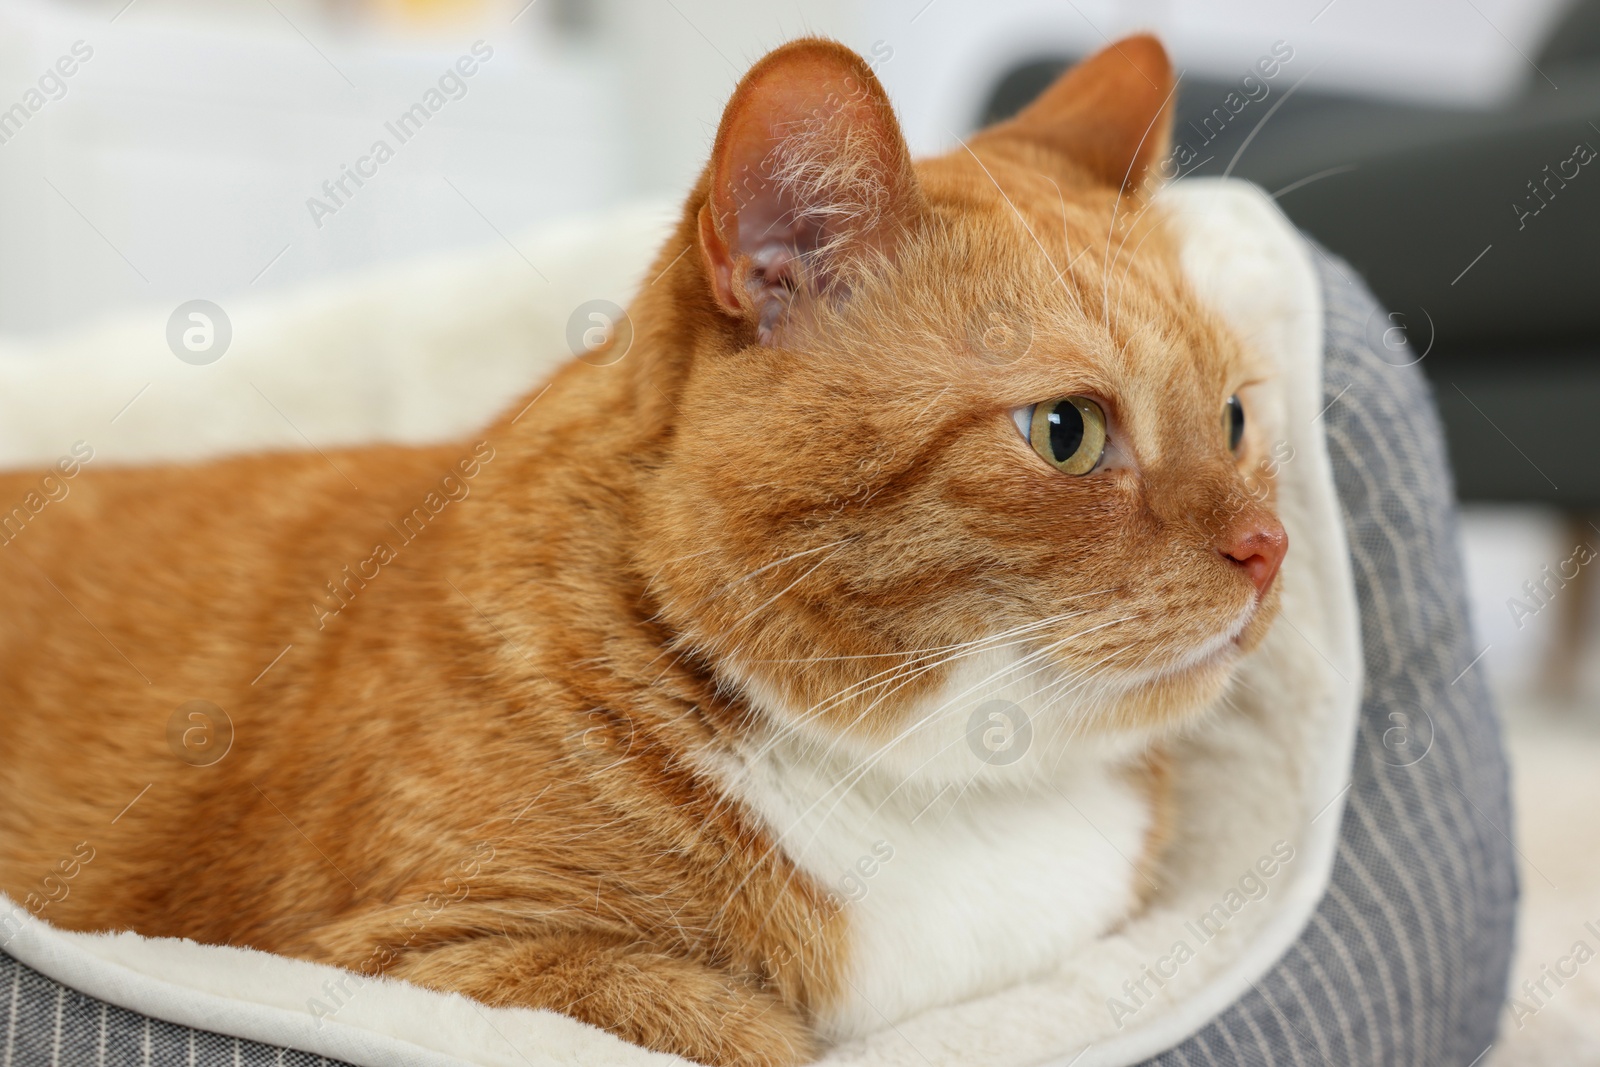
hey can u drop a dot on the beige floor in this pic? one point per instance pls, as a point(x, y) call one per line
point(1555, 766)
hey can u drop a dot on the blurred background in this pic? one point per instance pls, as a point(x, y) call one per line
point(158, 151)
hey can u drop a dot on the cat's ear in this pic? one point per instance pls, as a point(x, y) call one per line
point(810, 181)
point(1110, 115)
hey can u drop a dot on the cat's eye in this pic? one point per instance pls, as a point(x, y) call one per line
point(1069, 433)
point(1233, 422)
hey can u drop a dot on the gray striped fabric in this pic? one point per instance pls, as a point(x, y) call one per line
point(45, 1024)
point(1405, 960)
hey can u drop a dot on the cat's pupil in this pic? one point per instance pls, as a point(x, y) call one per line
point(1066, 430)
point(1233, 419)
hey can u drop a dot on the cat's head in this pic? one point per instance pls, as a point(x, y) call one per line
point(953, 438)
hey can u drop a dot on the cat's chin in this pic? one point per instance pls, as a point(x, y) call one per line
point(1174, 697)
point(1162, 698)
point(1172, 694)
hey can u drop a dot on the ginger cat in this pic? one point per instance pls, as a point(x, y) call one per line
point(801, 671)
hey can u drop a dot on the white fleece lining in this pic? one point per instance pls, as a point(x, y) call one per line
point(1273, 768)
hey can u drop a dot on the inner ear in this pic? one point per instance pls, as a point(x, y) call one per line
point(810, 182)
point(1110, 116)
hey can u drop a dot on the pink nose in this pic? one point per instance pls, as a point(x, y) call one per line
point(1258, 546)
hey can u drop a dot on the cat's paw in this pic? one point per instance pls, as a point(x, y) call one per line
point(652, 999)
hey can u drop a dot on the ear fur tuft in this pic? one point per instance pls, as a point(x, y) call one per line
point(810, 179)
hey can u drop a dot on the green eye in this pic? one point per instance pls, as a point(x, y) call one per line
point(1233, 422)
point(1069, 433)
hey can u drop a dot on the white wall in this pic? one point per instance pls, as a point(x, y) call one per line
point(179, 162)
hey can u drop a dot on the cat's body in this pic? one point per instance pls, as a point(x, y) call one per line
point(726, 697)
point(420, 769)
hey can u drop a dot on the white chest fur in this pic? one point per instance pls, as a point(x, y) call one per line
point(955, 884)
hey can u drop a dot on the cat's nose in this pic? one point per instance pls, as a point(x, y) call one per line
point(1258, 546)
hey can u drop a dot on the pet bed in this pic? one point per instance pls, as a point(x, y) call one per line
point(1343, 883)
